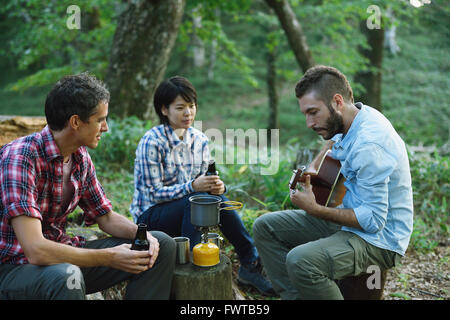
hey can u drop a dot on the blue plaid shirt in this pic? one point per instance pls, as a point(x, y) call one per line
point(166, 166)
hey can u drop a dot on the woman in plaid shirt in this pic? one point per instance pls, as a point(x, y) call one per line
point(170, 163)
point(43, 178)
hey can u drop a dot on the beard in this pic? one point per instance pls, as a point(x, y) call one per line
point(335, 124)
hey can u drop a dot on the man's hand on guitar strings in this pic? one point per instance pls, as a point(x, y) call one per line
point(304, 199)
point(305, 174)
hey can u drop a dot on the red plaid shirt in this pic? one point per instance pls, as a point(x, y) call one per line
point(31, 180)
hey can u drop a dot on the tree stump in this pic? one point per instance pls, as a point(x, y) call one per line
point(355, 288)
point(191, 282)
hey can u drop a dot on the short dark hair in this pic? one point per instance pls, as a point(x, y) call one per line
point(167, 92)
point(74, 95)
point(325, 82)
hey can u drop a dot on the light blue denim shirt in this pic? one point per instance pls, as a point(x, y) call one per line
point(375, 164)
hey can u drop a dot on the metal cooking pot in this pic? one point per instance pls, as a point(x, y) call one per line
point(205, 209)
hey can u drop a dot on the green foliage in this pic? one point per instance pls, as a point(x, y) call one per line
point(248, 217)
point(40, 78)
point(40, 42)
point(114, 160)
point(270, 192)
point(415, 82)
point(400, 295)
point(119, 188)
point(117, 147)
point(431, 187)
point(212, 33)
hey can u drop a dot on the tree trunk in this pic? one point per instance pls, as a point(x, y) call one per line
point(212, 59)
point(272, 89)
point(371, 79)
point(294, 32)
point(390, 41)
point(197, 45)
point(213, 53)
point(145, 34)
point(91, 19)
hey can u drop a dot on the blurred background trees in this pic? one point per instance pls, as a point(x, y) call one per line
point(129, 43)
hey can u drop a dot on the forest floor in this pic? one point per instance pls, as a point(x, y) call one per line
point(420, 276)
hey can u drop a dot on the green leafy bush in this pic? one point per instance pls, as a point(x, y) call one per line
point(117, 148)
point(431, 186)
point(246, 183)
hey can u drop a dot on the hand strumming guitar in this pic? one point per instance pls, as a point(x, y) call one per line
point(304, 199)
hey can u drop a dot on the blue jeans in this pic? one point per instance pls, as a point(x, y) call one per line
point(174, 218)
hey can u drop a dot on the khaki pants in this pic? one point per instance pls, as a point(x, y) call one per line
point(303, 255)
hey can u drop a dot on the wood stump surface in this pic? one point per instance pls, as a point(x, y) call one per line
point(191, 282)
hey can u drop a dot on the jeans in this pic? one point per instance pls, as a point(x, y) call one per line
point(174, 218)
point(66, 281)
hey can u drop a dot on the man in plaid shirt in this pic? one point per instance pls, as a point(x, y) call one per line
point(43, 178)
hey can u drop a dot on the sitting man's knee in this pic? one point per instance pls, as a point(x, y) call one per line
point(167, 245)
point(257, 226)
point(299, 263)
point(261, 226)
point(64, 281)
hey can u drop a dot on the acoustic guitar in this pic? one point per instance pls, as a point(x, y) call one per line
point(327, 185)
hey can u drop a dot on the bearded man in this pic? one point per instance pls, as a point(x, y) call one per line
point(304, 251)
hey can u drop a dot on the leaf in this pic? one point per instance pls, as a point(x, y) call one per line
point(284, 201)
point(401, 295)
point(40, 78)
point(242, 169)
point(259, 201)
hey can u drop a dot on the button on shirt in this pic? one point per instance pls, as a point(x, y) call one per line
point(31, 180)
point(375, 164)
point(166, 166)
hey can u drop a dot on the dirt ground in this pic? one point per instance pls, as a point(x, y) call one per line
point(420, 276)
